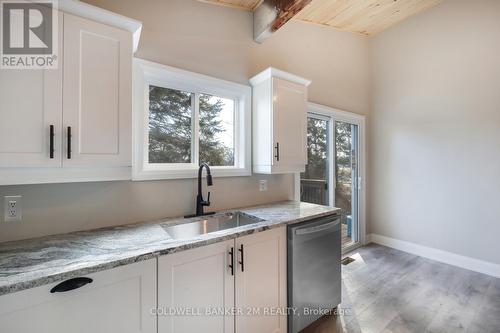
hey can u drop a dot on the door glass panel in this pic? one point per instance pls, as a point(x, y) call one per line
point(314, 181)
point(346, 178)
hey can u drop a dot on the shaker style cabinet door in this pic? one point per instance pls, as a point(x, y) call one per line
point(117, 300)
point(289, 120)
point(195, 281)
point(261, 282)
point(97, 99)
point(30, 111)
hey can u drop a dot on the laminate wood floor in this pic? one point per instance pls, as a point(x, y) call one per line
point(390, 291)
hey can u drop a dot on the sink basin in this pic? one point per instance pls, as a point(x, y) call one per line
point(210, 224)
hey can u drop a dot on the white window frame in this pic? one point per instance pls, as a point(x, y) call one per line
point(332, 115)
point(149, 73)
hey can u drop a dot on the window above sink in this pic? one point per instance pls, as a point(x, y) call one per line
point(182, 119)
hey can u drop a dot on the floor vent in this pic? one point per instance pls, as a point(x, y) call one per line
point(347, 260)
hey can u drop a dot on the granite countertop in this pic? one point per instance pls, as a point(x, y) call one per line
point(35, 262)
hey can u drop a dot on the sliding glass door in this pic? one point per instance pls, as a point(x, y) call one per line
point(332, 176)
point(314, 181)
point(346, 179)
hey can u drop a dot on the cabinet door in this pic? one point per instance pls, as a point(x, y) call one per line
point(118, 300)
point(195, 281)
point(261, 282)
point(97, 100)
point(289, 126)
point(30, 102)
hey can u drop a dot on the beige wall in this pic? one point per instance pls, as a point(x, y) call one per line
point(58, 208)
point(216, 41)
point(435, 129)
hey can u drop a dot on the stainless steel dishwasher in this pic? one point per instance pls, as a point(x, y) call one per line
point(314, 270)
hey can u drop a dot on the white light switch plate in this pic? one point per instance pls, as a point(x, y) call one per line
point(12, 208)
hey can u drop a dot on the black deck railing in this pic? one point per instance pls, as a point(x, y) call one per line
point(313, 191)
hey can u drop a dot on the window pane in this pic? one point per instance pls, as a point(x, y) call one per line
point(216, 130)
point(314, 181)
point(170, 134)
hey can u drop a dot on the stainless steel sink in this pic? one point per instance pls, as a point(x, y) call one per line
point(210, 224)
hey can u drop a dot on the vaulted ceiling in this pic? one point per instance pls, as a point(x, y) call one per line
point(366, 17)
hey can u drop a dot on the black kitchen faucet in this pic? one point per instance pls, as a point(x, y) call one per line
point(200, 202)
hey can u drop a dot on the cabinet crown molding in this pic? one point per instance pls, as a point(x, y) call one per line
point(104, 16)
point(273, 72)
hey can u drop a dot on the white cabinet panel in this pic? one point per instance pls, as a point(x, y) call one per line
point(118, 300)
point(262, 127)
point(279, 122)
point(261, 284)
point(196, 280)
point(30, 102)
point(289, 119)
point(97, 93)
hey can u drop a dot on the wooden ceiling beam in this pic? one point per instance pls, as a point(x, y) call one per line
point(288, 10)
point(366, 17)
point(271, 15)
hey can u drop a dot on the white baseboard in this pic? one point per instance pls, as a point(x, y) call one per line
point(368, 239)
point(446, 257)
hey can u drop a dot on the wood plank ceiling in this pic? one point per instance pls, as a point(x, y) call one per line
point(366, 17)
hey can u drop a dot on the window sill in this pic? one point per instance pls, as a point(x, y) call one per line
point(187, 173)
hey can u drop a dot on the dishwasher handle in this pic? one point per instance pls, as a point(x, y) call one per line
point(318, 228)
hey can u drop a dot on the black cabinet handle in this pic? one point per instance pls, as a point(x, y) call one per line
point(51, 139)
point(242, 262)
point(277, 151)
point(231, 253)
point(71, 284)
point(69, 142)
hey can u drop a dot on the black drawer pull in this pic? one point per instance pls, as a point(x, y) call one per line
point(242, 262)
point(71, 284)
point(231, 253)
point(277, 151)
point(51, 139)
point(69, 142)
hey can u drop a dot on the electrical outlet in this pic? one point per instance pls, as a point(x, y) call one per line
point(263, 185)
point(12, 208)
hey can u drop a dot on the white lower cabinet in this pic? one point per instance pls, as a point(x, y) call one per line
point(233, 286)
point(261, 282)
point(117, 300)
point(195, 281)
point(195, 284)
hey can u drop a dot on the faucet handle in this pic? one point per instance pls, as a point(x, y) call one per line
point(207, 202)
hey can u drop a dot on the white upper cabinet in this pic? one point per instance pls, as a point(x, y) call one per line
point(30, 110)
point(72, 123)
point(279, 122)
point(97, 100)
